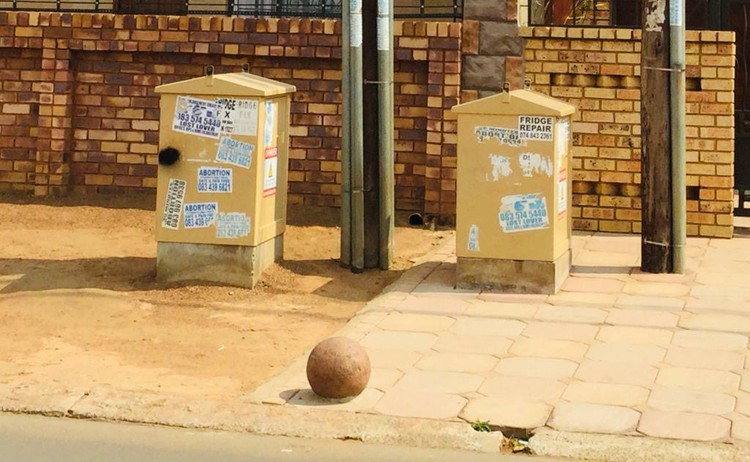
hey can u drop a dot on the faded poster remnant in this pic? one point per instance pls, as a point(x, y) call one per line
point(235, 152)
point(473, 245)
point(232, 225)
point(500, 166)
point(507, 136)
point(173, 204)
point(238, 116)
point(523, 212)
point(532, 163)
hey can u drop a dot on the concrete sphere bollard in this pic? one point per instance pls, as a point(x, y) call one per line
point(338, 368)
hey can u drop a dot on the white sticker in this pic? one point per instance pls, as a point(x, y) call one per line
point(355, 29)
point(507, 136)
point(238, 116)
point(270, 171)
point(500, 166)
point(655, 15)
point(537, 128)
point(533, 163)
point(197, 117)
point(562, 193)
point(523, 212)
point(384, 34)
point(355, 6)
point(270, 124)
point(675, 12)
point(384, 6)
point(214, 180)
point(200, 214)
point(563, 139)
point(173, 203)
point(473, 245)
point(235, 152)
point(232, 225)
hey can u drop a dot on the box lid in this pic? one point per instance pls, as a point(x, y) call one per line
point(234, 84)
point(516, 102)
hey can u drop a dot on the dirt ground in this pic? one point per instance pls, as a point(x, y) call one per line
point(80, 308)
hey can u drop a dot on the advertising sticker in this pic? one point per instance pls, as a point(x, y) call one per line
point(214, 180)
point(173, 204)
point(200, 214)
point(197, 117)
point(523, 212)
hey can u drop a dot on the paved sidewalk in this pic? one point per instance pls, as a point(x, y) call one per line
point(615, 352)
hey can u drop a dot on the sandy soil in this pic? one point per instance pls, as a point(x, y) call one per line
point(80, 308)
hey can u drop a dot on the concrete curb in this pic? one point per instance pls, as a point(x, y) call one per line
point(621, 448)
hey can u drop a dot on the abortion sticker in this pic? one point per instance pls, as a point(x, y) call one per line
point(214, 180)
point(232, 225)
point(523, 212)
point(508, 136)
point(238, 116)
point(173, 203)
point(537, 128)
point(200, 214)
point(197, 117)
point(235, 152)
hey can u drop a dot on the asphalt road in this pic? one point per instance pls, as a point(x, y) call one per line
point(43, 439)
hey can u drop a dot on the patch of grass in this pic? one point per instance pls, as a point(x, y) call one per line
point(481, 425)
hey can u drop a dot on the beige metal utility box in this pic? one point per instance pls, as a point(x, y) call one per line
point(222, 177)
point(513, 223)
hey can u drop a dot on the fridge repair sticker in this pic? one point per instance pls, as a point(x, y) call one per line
point(238, 116)
point(173, 203)
point(232, 225)
point(214, 180)
point(200, 214)
point(197, 117)
point(523, 212)
point(270, 171)
point(235, 152)
point(536, 128)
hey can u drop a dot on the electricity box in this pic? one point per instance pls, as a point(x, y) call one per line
point(222, 178)
point(513, 221)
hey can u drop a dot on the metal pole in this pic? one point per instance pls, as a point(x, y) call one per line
point(346, 152)
point(356, 138)
point(677, 109)
point(385, 125)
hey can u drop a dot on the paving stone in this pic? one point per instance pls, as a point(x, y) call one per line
point(731, 304)
point(684, 425)
point(615, 352)
point(507, 412)
point(606, 259)
point(433, 305)
point(710, 340)
point(593, 418)
point(526, 299)
point(571, 314)
point(420, 404)
point(705, 359)
point(547, 348)
point(614, 242)
point(699, 379)
point(634, 335)
point(723, 279)
point(677, 399)
point(642, 318)
point(415, 322)
point(492, 327)
point(650, 302)
point(619, 373)
point(392, 359)
point(522, 388)
point(641, 276)
point(537, 367)
point(745, 385)
point(606, 393)
point(718, 322)
point(713, 291)
point(662, 289)
point(382, 378)
point(480, 344)
point(587, 284)
point(561, 331)
point(457, 362)
point(501, 310)
point(586, 299)
point(412, 341)
point(722, 265)
point(439, 382)
point(741, 428)
point(743, 403)
point(364, 402)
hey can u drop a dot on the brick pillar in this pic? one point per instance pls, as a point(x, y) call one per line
point(54, 133)
point(492, 50)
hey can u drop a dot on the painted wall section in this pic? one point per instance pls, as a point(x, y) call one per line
point(598, 70)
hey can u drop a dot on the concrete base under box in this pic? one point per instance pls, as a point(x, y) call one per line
point(513, 276)
point(236, 265)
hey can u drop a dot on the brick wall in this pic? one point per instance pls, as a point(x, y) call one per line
point(598, 71)
point(78, 110)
